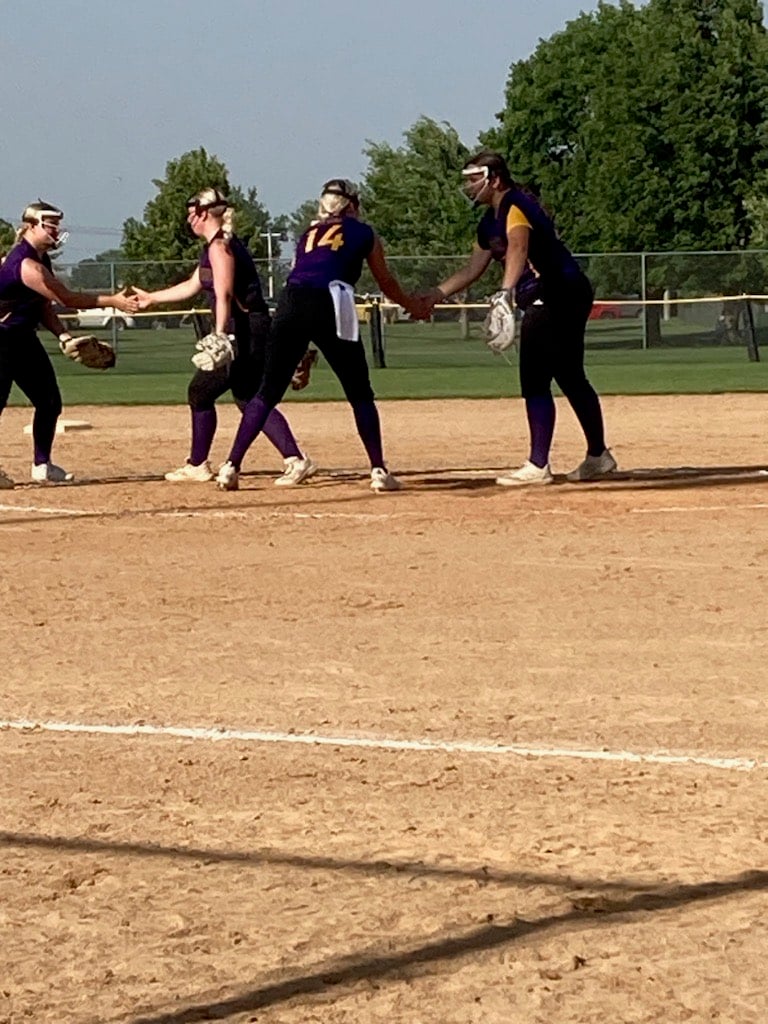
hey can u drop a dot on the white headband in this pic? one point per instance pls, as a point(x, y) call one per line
point(474, 169)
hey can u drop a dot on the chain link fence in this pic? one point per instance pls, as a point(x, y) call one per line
point(642, 300)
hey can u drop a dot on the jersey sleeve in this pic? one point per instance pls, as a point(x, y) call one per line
point(516, 219)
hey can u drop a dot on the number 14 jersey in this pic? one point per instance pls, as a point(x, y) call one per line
point(332, 250)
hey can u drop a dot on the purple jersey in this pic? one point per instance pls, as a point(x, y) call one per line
point(247, 294)
point(549, 261)
point(332, 250)
point(20, 306)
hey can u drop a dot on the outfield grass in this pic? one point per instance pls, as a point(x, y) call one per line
point(428, 361)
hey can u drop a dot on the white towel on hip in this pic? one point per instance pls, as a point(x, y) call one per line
point(347, 324)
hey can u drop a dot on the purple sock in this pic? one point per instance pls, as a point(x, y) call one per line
point(369, 429)
point(43, 433)
point(203, 432)
point(277, 431)
point(540, 411)
point(252, 423)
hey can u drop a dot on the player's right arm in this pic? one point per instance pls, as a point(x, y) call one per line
point(474, 269)
point(385, 279)
point(39, 278)
point(176, 293)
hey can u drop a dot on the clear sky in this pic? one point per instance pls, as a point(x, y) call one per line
point(98, 95)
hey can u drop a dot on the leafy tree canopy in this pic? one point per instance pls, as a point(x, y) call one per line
point(644, 128)
point(412, 196)
point(163, 235)
point(7, 236)
point(95, 274)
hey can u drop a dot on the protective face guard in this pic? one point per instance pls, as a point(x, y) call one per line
point(50, 221)
point(475, 179)
point(339, 187)
point(199, 207)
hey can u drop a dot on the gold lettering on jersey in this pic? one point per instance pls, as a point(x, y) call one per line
point(330, 235)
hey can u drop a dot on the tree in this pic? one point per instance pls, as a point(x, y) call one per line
point(298, 221)
point(95, 274)
point(163, 238)
point(7, 236)
point(648, 134)
point(412, 195)
point(649, 124)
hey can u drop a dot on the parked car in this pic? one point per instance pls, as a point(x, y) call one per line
point(163, 321)
point(607, 311)
point(94, 318)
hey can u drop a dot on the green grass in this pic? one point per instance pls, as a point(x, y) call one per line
point(431, 361)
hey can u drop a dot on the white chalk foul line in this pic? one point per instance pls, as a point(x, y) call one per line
point(212, 513)
point(239, 513)
point(387, 743)
point(46, 511)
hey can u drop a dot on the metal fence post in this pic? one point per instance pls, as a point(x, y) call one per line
point(113, 289)
point(377, 335)
point(644, 296)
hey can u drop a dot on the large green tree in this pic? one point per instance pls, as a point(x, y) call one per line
point(411, 194)
point(7, 236)
point(644, 128)
point(163, 237)
point(95, 274)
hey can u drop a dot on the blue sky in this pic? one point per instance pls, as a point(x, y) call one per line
point(99, 95)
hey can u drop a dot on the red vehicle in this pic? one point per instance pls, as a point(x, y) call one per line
point(609, 311)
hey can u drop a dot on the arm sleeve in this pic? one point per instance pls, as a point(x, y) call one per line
point(516, 218)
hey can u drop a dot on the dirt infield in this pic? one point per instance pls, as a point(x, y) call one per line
point(538, 791)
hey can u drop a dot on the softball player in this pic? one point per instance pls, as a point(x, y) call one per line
point(227, 274)
point(555, 297)
point(317, 305)
point(28, 288)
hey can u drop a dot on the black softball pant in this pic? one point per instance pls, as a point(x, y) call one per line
point(243, 376)
point(306, 315)
point(552, 341)
point(24, 362)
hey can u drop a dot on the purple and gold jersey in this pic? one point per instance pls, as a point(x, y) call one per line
point(247, 295)
point(20, 306)
point(549, 260)
point(332, 250)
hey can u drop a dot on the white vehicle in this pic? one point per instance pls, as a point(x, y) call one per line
point(94, 318)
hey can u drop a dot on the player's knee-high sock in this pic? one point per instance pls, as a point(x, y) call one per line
point(251, 424)
point(540, 410)
point(203, 432)
point(586, 405)
point(43, 433)
point(277, 430)
point(369, 429)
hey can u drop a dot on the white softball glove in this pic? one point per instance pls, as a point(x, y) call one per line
point(213, 351)
point(499, 326)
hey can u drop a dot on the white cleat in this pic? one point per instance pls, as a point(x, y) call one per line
point(526, 475)
point(48, 473)
point(188, 473)
point(382, 480)
point(593, 467)
point(6, 484)
point(228, 478)
point(297, 469)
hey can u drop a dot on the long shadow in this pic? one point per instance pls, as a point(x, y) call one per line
point(423, 482)
point(374, 965)
point(482, 875)
point(662, 478)
point(263, 501)
point(677, 477)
